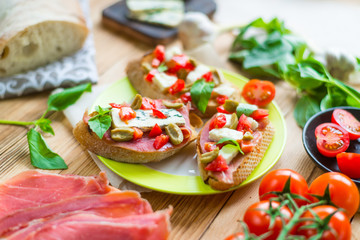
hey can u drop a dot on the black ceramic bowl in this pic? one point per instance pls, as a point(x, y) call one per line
point(309, 140)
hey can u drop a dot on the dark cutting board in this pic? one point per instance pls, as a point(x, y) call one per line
point(114, 17)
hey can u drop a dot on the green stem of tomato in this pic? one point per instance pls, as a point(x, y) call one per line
point(18, 123)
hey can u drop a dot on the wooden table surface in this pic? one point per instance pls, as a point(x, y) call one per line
point(194, 217)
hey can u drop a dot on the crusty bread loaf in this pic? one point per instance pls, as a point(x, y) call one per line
point(248, 163)
point(37, 32)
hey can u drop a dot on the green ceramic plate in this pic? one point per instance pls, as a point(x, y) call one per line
point(181, 176)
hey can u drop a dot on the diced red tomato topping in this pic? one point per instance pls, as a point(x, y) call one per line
point(218, 122)
point(259, 114)
point(115, 105)
point(221, 109)
point(155, 131)
point(244, 124)
point(186, 97)
point(147, 104)
point(177, 86)
point(158, 114)
point(179, 62)
point(221, 99)
point(150, 76)
point(186, 133)
point(247, 146)
point(159, 53)
point(137, 133)
point(155, 62)
point(218, 165)
point(160, 141)
point(210, 146)
point(126, 114)
point(208, 77)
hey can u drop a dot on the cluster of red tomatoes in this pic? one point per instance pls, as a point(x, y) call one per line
point(290, 209)
point(333, 139)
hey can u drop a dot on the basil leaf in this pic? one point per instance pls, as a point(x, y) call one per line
point(101, 122)
point(306, 107)
point(44, 125)
point(60, 101)
point(230, 141)
point(200, 94)
point(41, 155)
point(162, 67)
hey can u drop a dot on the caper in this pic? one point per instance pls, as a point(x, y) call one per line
point(175, 133)
point(146, 67)
point(122, 134)
point(175, 105)
point(209, 156)
point(230, 105)
point(137, 102)
point(248, 136)
point(233, 121)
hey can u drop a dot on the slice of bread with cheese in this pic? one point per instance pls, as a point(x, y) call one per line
point(34, 33)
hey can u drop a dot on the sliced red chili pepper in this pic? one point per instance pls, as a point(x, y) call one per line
point(244, 124)
point(160, 141)
point(221, 99)
point(159, 53)
point(259, 114)
point(221, 109)
point(137, 133)
point(126, 114)
point(218, 122)
point(218, 165)
point(177, 86)
point(155, 131)
point(147, 104)
point(208, 77)
point(158, 114)
point(186, 97)
point(150, 76)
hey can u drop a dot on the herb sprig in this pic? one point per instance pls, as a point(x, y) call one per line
point(101, 122)
point(200, 93)
point(40, 154)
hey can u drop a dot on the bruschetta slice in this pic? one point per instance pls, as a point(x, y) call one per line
point(232, 143)
point(172, 75)
point(144, 131)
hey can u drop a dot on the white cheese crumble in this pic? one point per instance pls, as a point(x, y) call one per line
point(218, 133)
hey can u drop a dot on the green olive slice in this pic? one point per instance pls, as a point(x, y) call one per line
point(122, 134)
point(137, 102)
point(175, 105)
point(233, 121)
point(248, 136)
point(230, 105)
point(209, 156)
point(175, 133)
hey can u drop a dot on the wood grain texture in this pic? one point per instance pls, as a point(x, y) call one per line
point(194, 217)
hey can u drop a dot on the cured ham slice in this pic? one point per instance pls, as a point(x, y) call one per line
point(153, 226)
point(35, 188)
point(114, 205)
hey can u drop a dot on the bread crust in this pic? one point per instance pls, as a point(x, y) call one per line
point(248, 164)
point(93, 143)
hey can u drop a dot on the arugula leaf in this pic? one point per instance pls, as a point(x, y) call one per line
point(101, 122)
point(60, 101)
point(230, 141)
point(44, 125)
point(306, 107)
point(200, 93)
point(162, 67)
point(41, 155)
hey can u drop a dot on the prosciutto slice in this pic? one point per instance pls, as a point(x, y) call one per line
point(35, 188)
point(153, 226)
point(113, 205)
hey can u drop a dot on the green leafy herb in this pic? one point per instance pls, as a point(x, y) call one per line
point(101, 122)
point(201, 93)
point(40, 153)
point(60, 101)
point(162, 67)
point(230, 141)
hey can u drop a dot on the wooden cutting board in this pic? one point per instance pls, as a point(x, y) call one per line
point(115, 17)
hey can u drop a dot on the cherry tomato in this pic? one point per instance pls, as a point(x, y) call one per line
point(159, 53)
point(160, 141)
point(158, 114)
point(179, 62)
point(210, 146)
point(155, 131)
point(208, 77)
point(236, 236)
point(217, 165)
point(221, 99)
point(258, 220)
point(177, 86)
point(348, 122)
point(147, 104)
point(218, 122)
point(186, 97)
point(275, 181)
point(137, 133)
point(343, 192)
point(257, 92)
point(150, 76)
point(259, 114)
point(339, 223)
point(243, 124)
point(331, 139)
point(221, 109)
point(126, 114)
point(349, 164)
